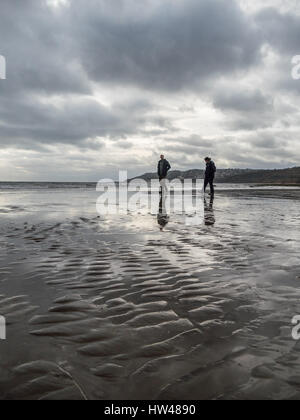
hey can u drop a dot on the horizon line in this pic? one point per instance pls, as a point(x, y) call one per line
point(174, 170)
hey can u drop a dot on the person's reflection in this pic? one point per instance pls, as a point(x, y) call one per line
point(209, 215)
point(162, 217)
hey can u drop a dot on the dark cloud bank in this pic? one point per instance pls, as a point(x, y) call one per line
point(58, 58)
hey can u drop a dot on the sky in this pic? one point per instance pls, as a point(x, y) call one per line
point(97, 86)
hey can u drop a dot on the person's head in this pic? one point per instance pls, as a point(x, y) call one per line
point(207, 159)
point(162, 157)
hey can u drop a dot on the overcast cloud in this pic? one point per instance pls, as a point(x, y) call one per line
point(94, 86)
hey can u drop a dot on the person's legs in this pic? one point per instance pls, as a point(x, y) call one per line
point(212, 188)
point(206, 182)
point(164, 187)
point(209, 181)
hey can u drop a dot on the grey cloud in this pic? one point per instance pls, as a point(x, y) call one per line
point(169, 47)
point(245, 109)
point(77, 121)
point(153, 51)
point(40, 51)
point(124, 144)
point(243, 101)
point(194, 142)
point(73, 123)
point(258, 150)
point(281, 30)
point(174, 47)
point(263, 149)
point(250, 123)
point(268, 142)
point(186, 149)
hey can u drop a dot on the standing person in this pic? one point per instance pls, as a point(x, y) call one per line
point(210, 173)
point(162, 172)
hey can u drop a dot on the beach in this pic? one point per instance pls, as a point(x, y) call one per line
point(123, 308)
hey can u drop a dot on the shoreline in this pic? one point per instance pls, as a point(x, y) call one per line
point(276, 185)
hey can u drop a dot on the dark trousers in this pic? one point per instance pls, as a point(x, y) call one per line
point(209, 181)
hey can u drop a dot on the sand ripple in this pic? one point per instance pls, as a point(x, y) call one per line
point(204, 313)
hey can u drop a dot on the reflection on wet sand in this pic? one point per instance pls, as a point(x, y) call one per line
point(209, 214)
point(162, 217)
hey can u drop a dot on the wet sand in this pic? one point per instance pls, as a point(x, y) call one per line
point(116, 309)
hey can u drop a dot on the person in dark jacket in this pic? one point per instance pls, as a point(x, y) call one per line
point(210, 173)
point(162, 172)
point(163, 168)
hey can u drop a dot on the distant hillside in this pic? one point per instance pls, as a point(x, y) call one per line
point(289, 176)
point(237, 176)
